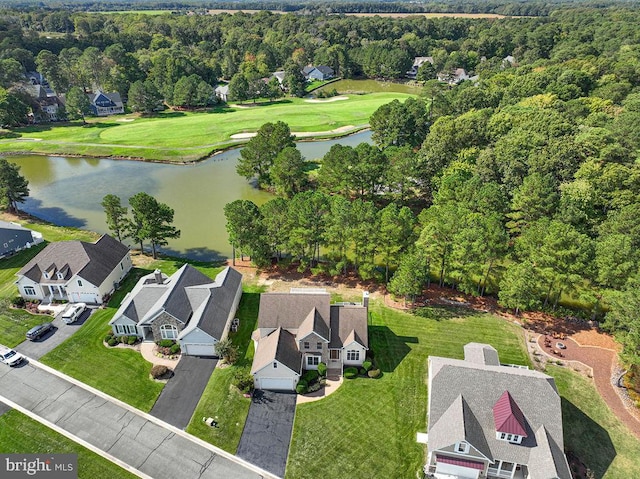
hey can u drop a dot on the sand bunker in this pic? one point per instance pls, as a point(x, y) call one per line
point(327, 100)
point(299, 134)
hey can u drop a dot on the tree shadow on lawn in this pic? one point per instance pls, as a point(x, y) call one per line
point(443, 312)
point(585, 438)
point(389, 349)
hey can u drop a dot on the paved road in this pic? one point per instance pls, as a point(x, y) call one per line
point(4, 408)
point(61, 332)
point(180, 396)
point(140, 441)
point(267, 432)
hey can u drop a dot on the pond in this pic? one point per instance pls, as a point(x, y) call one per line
point(370, 86)
point(68, 192)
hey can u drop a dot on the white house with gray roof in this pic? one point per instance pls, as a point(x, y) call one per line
point(301, 329)
point(488, 420)
point(75, 271)
point(188, 307)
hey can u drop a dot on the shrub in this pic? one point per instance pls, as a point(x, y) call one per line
point(314, 387)
point(175, 349)
point(18, 302)
point(310, 376)
point(243, 380)
point(367, 365)
point(350, 373)
point(322, 369)
point(363, 372)
point(227, 350)
point(132, 340)
point(158, 370)
point(301, 388)
point(166, 343)
point(374, 373)
point(108, 337)
point(123, 339)
point(112, 342)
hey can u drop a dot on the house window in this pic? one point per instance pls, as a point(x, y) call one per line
point(275, 365)
point(60, 276)
point(29, 291)
point(306, 345)
point(168, 331)
point(128, 329)
point(121, 267)
point(80, 283)
point(313, 360)
point(353, 355)
point(462, 447)
point(318, 345)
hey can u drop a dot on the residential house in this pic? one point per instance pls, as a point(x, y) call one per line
point(222, 93)
point(488, 420)
point(509, 61)
point(417, 63)
point(301, 329)
point(75, 271)
point(105, 104)
point(187, 306)
point(279, 75)
point(36, 78)
point(47, 100)
point(14, 237)
point(453, 77)
point(320, 72)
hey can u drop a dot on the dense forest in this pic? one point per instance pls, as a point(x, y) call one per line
point(524, 183)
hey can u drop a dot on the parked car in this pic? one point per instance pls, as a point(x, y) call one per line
point(73, 312)
point(10, 357)
point(37, 331)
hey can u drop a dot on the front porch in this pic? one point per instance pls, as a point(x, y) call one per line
point(53, 292)
point(504, 470)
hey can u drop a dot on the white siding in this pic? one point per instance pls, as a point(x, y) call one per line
point(353, 347)
point(124, 320)
point(24, 281)
point(116, 276)
point(197, 342)
point(232, 311)
point(87, 293)
point(280, 372)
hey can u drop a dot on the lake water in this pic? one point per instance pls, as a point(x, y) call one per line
point(68, 192)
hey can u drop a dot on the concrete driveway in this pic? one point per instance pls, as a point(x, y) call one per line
point(180, 396)
point(267, 432)
point(60, 332)
point(118, 431)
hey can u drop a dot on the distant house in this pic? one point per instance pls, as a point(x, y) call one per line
point(320, 72)
point(36, 78)
point(105, 104)
point(14, 237)
point(453, 77)
point(187, 306)
point(509, 61)
point(222, 93)
point(487, 420)
point(279, 75)
point(75, 271)
point(47, 100)
point(417, 63)
point(301, 329)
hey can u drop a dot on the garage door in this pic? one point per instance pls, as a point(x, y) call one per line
point(84, 298)
point(277, 384)
point(196, 349)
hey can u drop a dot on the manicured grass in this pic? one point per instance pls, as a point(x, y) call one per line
point(187, 136)
point(368, 427)
point(20, 434)
point(592, 431)
point(14, 323)
point(221, 400)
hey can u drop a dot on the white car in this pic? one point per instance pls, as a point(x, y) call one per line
point(10, 357)
point(73, 312)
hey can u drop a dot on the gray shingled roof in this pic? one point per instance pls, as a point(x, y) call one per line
point(280, 345)
point(348, 322)
point(175, 301)
point(94, 262)
point(478, 387)
point(217, 309)
point(289, 310)
point(313, 323)
point(481, 354)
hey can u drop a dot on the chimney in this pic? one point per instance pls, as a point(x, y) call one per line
point(365, 299)
point(158, 276)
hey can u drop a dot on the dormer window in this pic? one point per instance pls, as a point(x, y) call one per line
point(46, 275)
point(462, 447)
point(512, 438)
point(275, 365)
point(60, 275)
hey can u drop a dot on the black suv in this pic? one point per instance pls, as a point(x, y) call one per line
point(37, 331)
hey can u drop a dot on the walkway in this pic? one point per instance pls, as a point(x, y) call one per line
point(267, 432)
point(136, 441)
point(601, 361)
point(334, 380)
point(179, 398)
point(147, 350)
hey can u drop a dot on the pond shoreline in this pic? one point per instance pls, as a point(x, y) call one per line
point(237, 143)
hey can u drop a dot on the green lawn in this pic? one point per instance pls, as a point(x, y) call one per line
point(20, 434)
point(592, 431)
point(368, 427)
point(187, 136)
point(221, 399)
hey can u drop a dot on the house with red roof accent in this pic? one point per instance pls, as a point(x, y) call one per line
point(488, 420)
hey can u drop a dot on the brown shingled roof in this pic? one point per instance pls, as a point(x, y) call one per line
point(348, 324)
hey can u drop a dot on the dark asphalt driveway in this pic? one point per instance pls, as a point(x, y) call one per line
point(267, 432)
point(60, 332)
point(180, 396)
